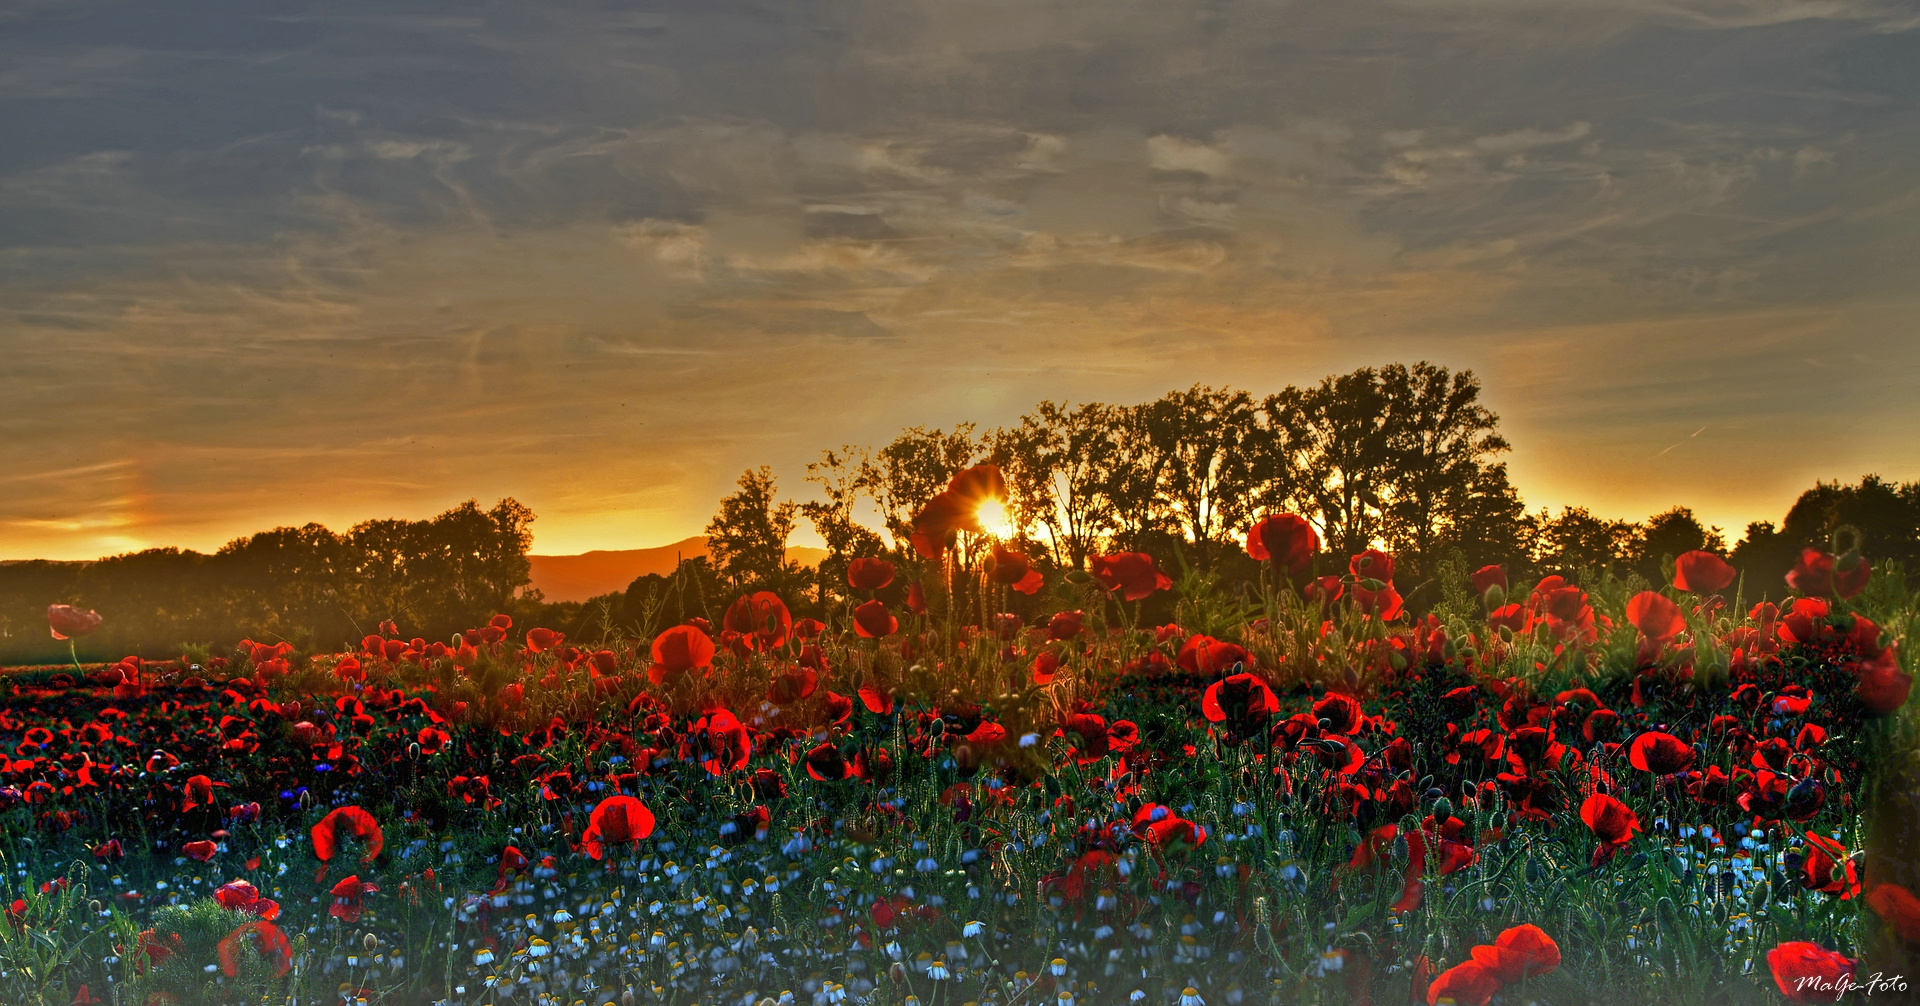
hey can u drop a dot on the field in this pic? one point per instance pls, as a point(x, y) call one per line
point(1295, 792)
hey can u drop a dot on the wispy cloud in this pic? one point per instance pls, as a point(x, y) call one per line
point(377, 258)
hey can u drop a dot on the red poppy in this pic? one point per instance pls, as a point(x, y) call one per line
point(240, 896)
point(201, 851)
point(1899, 908)
point(1806, 973)
point(1660, 753)
point(1819, 574)
point(1524, 951)
point(957, 508)
point(1207, 655)
point(265, 937)
point(1469, 983)
point(1241, 698)
point(66, 621)
point(762, 618)
point(1613, 822)
point(678, 650)
point(872, 620)
point(1513, 617)
point(542, 640)
point(728, 744)
point(1287, 539)
point(1159, 824)
point(827, 764)
point(1339, 713)
point(1014, 570)
point(1046, 664)
point(343, 822)
point(347, 895)
point(1702, 573)
point(1372, 564)
point(616, 821)
point(1883, 687)
point(877, 700)
point(1132, 574)
point(1488, 577)
point(1383, 602)
point(1825, 858)
point(793, 684)
point(869, 574)
point(1065, 625)
point(1657, 618)
point(198, 793)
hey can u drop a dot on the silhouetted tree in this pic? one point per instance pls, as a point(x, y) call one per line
point(747, 539)
point(1577, 540)
point(1667, 535)
point(838, 476)
point(1059, 462)
point(910, 470)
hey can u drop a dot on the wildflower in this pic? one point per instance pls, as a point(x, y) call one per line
point(66, 621)
point(938, 971)
point(1059, 966)
point(1190, 996)
point(1807, 973)
point(972, 929)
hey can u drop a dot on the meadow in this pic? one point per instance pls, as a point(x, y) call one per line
point(1570, 791)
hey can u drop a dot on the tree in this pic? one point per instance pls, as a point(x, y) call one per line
point(838, 476)
point(910, 470)
point(1339, 448)
point(1440, 442)
point(747, 539)
point(1887, 516)
point(1667, 535)
point(1577, 540)
point(1059, 462)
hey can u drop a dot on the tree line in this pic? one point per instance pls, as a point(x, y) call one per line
point(1404, 458)
point(1407, 458)
point(306, 585)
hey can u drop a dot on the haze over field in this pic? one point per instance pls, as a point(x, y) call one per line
point(275, 263)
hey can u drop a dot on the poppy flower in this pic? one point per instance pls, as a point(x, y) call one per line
point(1012, 569)
point(66, 621)
point(1819, 574)
point(869, 574)
point(1826, 857)
point(827, 764)
point(1657, 618)
point(878, 701)
point(1899, 908)
point(762, 618)
point(1486, 578)
point(1702, 572)
point(1383, 602)
point(793, 684)
point(726, 743)
point(198, 793)
point(1882, 686)
point(240, 896)
point(347, 895)
point(542, 640)
point(615, 821)
point(265, 937)
point(1288, 540)
point(1207, 655)
point(1065, 625)
point(1524, 951)
point(678, 650)
point(956, 508)
point(1242, 698)
point(872, 620)
point(1372, 564)
point(1132, 574)
point(343, 822)
point(1045, 666)
point(1613, 822)
point(1660, 753)
point(201, 851)
point(1469, 983)
point(1339, 713)
point(1159, 824)
point(1807, 973)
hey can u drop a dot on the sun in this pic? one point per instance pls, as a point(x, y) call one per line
point(994, 518)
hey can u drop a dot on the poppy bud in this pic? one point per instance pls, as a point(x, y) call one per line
point(371, 942)
point(1442, 809)
point(1496, 596)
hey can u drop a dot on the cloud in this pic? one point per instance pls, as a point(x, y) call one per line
point(378, 258)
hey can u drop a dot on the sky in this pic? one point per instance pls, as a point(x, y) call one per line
point(271, 262)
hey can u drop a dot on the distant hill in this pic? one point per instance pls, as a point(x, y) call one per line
point(590, 574)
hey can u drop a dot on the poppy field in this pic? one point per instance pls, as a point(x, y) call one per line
point(1291, 790)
